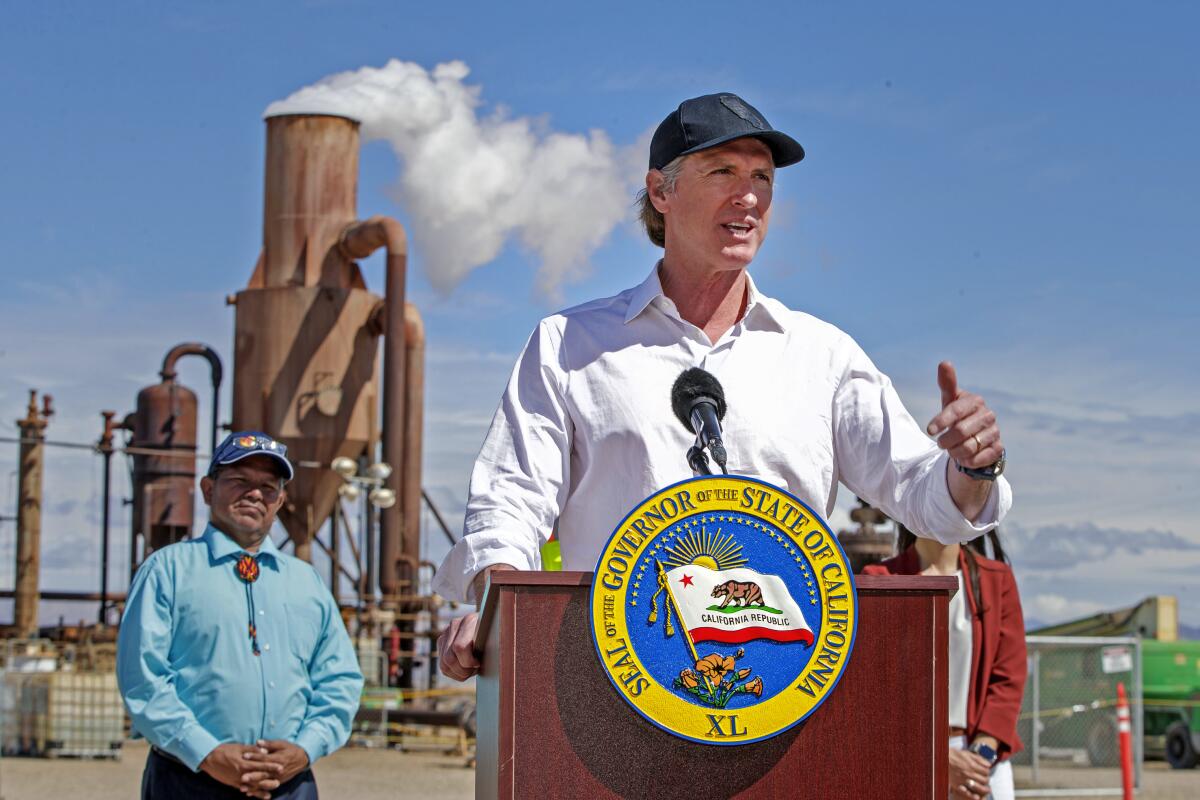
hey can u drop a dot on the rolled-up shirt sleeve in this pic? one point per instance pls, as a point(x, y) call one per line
point(519, 482)
point(144, 673)
point(885, 458)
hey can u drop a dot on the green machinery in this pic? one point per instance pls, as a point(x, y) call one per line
point(1171, 687)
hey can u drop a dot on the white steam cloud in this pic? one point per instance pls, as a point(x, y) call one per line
point(471, 183)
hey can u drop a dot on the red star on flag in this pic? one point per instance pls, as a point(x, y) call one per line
point(686, 580)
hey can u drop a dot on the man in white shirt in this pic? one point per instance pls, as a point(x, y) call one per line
point(585, 430)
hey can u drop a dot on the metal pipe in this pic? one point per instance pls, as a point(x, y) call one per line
point(106, 450)
point(1037, 712)
point(29, 514)
point(335, 559)
point(134, 561)
point(1139, 715)
point(47, 443)
point(410, 474)
point(214, 367)
point(437, 515)
point(358, 560)
point(370, 544)
point(327, 552)
point(83, 597)
point(359, 240)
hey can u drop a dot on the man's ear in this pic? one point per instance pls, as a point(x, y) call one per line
point(658, 198)
point(206, 489)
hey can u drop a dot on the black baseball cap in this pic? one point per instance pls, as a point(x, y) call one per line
point(244, 444)
point(704, 122)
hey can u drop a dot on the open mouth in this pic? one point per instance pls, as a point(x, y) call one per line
point(738, 229)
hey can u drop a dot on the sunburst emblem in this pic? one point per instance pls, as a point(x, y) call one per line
point(704, 549)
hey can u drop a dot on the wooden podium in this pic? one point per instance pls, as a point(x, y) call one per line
point(552, 726)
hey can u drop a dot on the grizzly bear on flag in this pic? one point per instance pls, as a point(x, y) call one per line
point(732, 591)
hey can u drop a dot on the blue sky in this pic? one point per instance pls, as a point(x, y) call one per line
point(1014, 190)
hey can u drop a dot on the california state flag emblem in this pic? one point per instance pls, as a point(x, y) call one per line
point(734, 606)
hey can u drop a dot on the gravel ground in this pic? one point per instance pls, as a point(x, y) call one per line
point(1159, 781)
point(366, 774)
point(349, 774)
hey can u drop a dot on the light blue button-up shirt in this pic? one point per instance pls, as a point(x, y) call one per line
point(186, 667)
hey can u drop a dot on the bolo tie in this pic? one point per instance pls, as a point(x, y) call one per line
point(247, 570)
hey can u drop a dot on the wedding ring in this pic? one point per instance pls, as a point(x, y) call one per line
point(970, 781)
point(978, 444)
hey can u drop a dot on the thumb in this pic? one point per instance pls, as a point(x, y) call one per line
point(947, 382)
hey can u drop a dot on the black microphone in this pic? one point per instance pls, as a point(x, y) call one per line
point(699, 402)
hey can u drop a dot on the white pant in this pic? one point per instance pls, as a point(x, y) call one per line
point(1001, 779)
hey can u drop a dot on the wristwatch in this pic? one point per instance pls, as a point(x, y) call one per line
point(988, 473)
point(983, 751)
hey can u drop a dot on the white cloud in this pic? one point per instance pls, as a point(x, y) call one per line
point(472, 183)
point(1090, 438)
point(1105, 569)
point(1050, 608)
point(1058, 547)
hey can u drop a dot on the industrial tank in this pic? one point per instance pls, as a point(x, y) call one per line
point(164, 470)
point(306, 328)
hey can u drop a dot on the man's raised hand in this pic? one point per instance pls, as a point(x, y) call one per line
point(965, 427)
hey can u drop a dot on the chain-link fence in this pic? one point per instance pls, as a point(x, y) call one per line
point(1068, 719)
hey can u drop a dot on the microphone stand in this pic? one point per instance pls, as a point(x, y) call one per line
point(698, 460)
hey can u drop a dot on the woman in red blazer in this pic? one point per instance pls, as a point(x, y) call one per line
point(998, 669)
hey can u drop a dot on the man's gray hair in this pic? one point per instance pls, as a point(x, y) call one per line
point(652, 218)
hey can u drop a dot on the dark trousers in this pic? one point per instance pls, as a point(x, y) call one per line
point(167, 778)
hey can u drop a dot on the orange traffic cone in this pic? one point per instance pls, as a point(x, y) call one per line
point(1126, 742)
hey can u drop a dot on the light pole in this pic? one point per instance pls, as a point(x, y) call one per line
point(380, 496)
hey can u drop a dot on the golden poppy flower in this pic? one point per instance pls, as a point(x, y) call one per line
point(714, 666)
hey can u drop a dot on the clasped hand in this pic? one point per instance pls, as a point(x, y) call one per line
point(256, 769)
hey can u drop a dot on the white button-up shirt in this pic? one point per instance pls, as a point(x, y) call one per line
point(585, 430)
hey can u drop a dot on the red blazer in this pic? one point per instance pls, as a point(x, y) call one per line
point(998, 665)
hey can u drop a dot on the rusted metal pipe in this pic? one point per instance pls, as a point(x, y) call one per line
point(214, 368)
point(29, 514)
point(82, 597)
point(359, 240)
point(340, 511)
point(437, 516)
point(410, 474)
point(105, 446)
point(335, 554)
point(369, 548)
point(336, 567)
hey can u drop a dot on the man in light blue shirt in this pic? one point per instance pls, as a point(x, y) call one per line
point(232, 657)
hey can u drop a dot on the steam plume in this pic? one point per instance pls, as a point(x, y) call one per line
point(470, 183)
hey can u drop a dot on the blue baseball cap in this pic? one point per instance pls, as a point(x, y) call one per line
point(714, 119)
point(244, 444)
